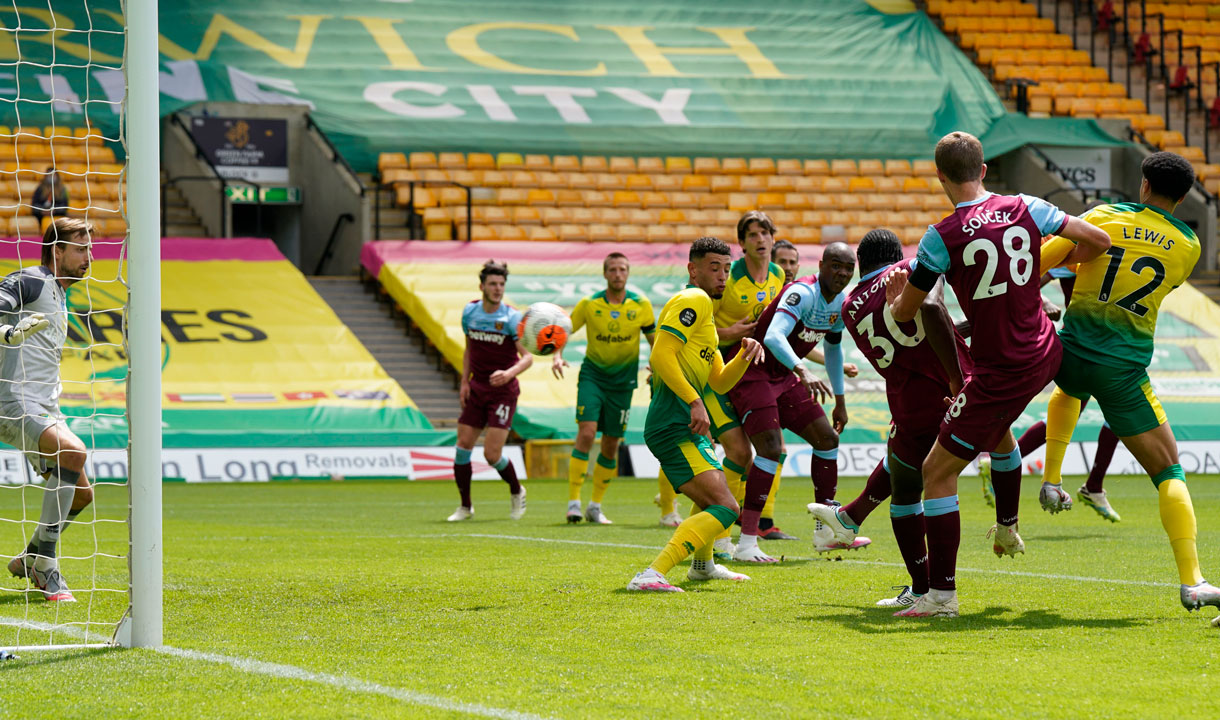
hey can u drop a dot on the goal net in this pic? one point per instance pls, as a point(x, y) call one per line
point(65, 125)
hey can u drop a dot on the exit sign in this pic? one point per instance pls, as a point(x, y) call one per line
point(267, 195)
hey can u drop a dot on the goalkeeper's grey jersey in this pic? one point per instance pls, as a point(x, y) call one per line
point(29, 372)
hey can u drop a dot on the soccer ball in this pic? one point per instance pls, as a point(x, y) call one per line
point(544, 328)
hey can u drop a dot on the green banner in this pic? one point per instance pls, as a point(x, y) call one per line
point(788, 78)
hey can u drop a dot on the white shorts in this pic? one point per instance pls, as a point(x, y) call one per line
point(22, 425)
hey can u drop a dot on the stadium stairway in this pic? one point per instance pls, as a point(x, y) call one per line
point(386, 332)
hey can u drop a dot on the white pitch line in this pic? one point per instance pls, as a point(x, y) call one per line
point(292, 672)
point(1011, 573)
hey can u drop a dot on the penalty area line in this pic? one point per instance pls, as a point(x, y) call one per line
point(292, 672)
point(878, 563)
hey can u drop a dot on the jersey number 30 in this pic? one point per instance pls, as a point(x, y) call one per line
point(1017, 245)
point(883, 344)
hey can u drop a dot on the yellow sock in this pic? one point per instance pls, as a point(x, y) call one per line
point(732, 477)
point(722, 535)
point(578, 466)
point(768, 510)
point(1062, 412)
point(1178, 518)
point(666, 492)
point(603, 472)
point(694, 532)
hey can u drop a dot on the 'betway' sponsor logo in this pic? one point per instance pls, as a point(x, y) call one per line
point(811, 335)
point(494, 338)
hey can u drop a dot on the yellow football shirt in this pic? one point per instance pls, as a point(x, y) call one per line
point(745, 298)
point(1112, 318)
point(689, 317)
point(612, 354)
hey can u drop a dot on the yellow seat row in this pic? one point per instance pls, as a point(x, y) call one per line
point(603, 232)
point(594, 164)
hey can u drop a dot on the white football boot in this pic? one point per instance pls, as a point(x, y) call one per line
point(594, 514)
point(574, 514)
point(1195, 597)
point(723, 549)
point(1099, 503)
point(1006, 541)
point(928, 606)
point(709, 570)
point(748, 551)
point(1054, 500)
point(52, 584)
point(651, 581)
point(671, 520)
point(829, 517)
point(462, 513)
point(518, 504)
point(904, 599)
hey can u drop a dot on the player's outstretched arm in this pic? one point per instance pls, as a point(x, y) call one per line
point(27, 326)
point(1091, 241)
point(723, 377)
point(939, 328)
point(524, 361)
point(849, 369)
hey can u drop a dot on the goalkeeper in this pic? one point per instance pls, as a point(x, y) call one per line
point(33, 327)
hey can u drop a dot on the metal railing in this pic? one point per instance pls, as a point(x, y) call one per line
point(414, 217)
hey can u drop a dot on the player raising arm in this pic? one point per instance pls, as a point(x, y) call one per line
point(987, 249)
point(684, 360)
point(1108, 342)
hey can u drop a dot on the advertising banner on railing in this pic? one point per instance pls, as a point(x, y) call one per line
point(251, 356)
point(433, 281)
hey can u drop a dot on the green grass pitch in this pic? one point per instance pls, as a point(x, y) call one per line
point(357, 600)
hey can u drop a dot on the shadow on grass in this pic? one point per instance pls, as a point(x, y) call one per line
point(51, 657)
point(881, 621)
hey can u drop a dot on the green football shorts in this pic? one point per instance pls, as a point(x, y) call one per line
point(1124, 395)
point(608, 408)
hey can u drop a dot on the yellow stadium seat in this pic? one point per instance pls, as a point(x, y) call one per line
point(798, 201)
point(683, 200)
point(666, 183)
point(816, 168)
point(552, 180)
point(696, 183)
point(565, 164)
point(655, 199)
point(724, 183)
point(631, 233)
point(862, 185)
point(527, 216)
point(610, 181)
point(907, 202)
point(915, 184)
point(1084, 107)
point(423, 197)
point(780, 183)
point(712, 200)
point(594, 164)
point(788, 167)
point(1170, 138)
point(538, 163)
point(698, 217)
point(570, 198)
point(398, 175)
point(771, 201)
point(389, 160)
point(890, 185)
point(1192, 153)
point(620, 164)
point(542, 234)
point(451, 196)
point(871, 218)
point(834, 185)
point(581, 181)
point(707, 166)
point(511, 233)
point(687, 233)
point(924, 168)
point(596, 198)
point(670, 216)
point(843, 167)
point(482, 232)
point(522, 179)
point(881, 201)
point(422, 160)
point(496, 179)
point(660, 234)
point(677, 165)
point(742, 202)
point(752, 183)
point(734, 166)
point(1148, 122)
point(512, 196)
point(897, 168)
point(638, 182)
point(761, 166)
point(573, 233)
point(584, 215)
point(554, 215)
point(626, 198)
point(540, 196)
point(611, 216)
point(1109, 106)
point(851, 202)
point(494, 215)
point(808, 183)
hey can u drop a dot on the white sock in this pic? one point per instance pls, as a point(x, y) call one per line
point(574, 505)
point(745, 542)
point(941, 596)
point(595, 506)
point(702, 565)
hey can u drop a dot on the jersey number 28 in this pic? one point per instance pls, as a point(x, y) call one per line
point(1017, 245)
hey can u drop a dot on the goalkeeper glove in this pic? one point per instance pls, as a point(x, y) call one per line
point(28, 325)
